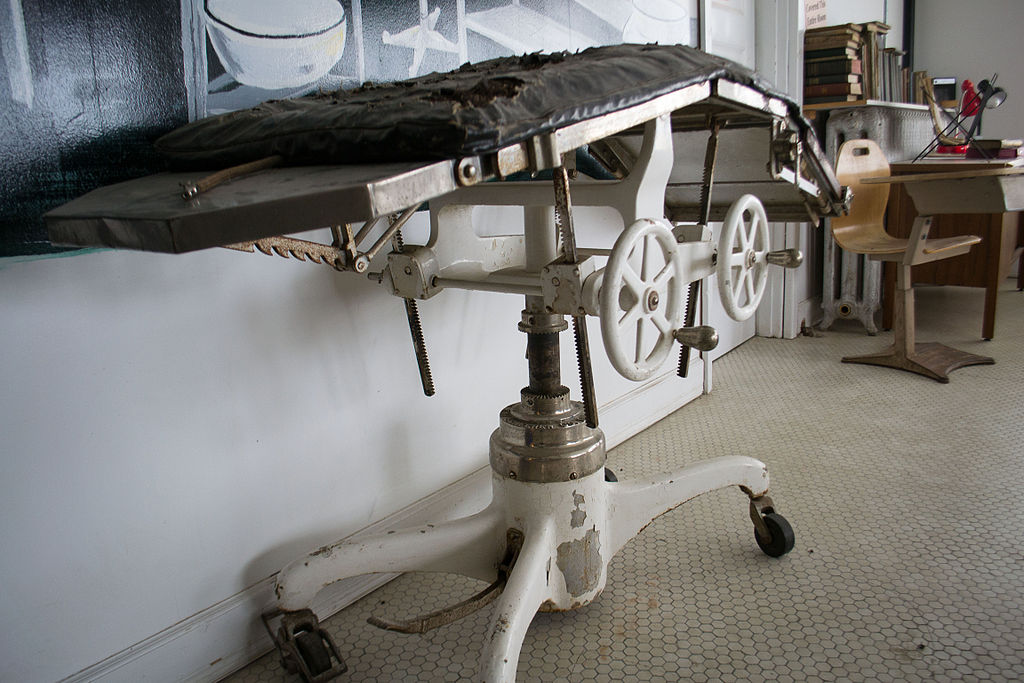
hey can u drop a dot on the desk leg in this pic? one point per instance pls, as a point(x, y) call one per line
point(888, 294)
point(1020, 252)
point(994, 242)
point(988, 323)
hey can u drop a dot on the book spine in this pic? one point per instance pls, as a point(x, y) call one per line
point(832, 89)
point(842, 34)
point(833, 78)
point(830, 52)
point(811, 45)
point(839, 28)
point(830, 98)
point(870, 79)
point(996, 143)
point(833, 66)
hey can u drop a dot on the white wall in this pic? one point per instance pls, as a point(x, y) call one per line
point(985, 38)
point(177, 428)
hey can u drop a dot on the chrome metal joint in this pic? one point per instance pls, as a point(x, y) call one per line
point(545, 438)
point(542, 323)
point(189, 190)
point(468, 171)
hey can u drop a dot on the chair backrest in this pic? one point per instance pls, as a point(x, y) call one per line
point(860, 159)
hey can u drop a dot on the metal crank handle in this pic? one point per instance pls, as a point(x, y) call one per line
point(700, 337)
point(787, 258)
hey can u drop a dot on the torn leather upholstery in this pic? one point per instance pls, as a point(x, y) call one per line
point(476, 109)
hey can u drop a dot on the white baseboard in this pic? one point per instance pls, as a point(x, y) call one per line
point(228, 635)
point(213, 643)
point(811, 311)
point(225, 637)
point(637, 410)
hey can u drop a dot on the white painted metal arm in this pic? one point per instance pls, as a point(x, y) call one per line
point(525, 592)
point(464, 546)
point(634, 504)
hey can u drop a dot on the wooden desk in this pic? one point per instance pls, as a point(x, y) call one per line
point(986, 265)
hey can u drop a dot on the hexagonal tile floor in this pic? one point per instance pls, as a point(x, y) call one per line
point(909, 558)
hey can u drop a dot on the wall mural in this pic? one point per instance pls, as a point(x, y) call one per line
point(264, 49)
point(84, 88)
point(87, 86)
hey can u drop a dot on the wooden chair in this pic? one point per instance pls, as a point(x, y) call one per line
point(862, 231)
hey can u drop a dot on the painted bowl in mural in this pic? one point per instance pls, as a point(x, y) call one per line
point(273, 44)
point(657, 21)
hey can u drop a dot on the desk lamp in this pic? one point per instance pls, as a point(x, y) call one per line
point(973, 103)
point(989, 97)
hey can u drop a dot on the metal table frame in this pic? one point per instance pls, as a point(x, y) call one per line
point(557, 517)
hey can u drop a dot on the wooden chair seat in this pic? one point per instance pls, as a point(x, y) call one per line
point(862, 231)
point(938, 246)
point(881, 245)
point(872, 244)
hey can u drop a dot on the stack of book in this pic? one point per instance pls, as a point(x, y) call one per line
point(850, 63)
point(833, 64)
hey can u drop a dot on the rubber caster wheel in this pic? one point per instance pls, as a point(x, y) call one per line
point(609, 475)
point(313, 652)
point(782, 538)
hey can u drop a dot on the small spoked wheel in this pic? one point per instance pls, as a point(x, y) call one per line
point(313, 652)
point(641, 297)
point(782, 538)
point(742, 267)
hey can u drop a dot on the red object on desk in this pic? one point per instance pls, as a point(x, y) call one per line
point(969, 101)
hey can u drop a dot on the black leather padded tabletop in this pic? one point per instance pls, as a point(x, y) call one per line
point(476, 109)
point(360, 154)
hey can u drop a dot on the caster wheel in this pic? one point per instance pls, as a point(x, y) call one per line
point(609, 475)
point(313, 652)
point(782, 538)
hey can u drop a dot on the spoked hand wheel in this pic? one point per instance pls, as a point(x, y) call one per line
point(742, 267)
point(641, 297)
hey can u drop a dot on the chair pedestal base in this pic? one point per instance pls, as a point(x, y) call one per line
point(931, 360)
